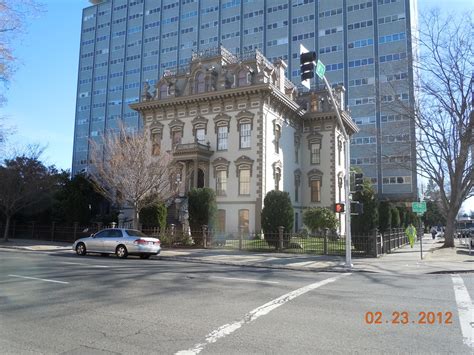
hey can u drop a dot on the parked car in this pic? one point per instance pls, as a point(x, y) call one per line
point(119, 241)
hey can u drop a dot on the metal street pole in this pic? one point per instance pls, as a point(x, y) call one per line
point(348, 263)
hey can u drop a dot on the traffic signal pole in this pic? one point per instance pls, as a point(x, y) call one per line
point(348, 264)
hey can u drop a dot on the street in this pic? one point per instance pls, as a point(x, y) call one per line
point(58, 303)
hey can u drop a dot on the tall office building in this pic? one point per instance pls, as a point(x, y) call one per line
point(366, 45)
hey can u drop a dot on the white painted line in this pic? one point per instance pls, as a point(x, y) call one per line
point(82, 264)
point(247, 280)
point(465, 310)
point(253, 315)
point(35, 278)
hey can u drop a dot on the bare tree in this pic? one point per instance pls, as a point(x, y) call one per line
point(126, 172)
point(443, 112)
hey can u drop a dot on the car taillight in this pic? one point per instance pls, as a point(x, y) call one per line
point(140, 241)
point(158, 242)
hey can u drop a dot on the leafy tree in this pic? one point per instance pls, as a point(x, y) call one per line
point(402, 212)
point(433, 215)
point(277, 211)
point(154, 215)
point(202, 208)
point(369, 219)
point(319, 218)
point(25, 183)
point(77, 200)
point(395, 217)
point(385, 216)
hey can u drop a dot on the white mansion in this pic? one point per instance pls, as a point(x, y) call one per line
point(239, 126)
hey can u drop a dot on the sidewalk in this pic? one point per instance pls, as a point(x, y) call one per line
point(401, 261)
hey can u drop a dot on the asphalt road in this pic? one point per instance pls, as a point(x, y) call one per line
point(63, 304)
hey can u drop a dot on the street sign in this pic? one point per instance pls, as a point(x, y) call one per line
point(320, 69)
point(418, 207)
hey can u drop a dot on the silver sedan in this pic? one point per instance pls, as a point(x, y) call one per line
point(119, 241)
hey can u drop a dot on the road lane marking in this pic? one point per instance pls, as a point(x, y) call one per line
point(253, 315)
point(38, 279)
point(465, 310)
point(89, 265)
point(238, 279)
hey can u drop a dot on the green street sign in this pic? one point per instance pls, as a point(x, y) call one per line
point(320, 69)
point(418, 207)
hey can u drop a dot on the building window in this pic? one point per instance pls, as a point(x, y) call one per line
point(156, 143)
point(244, 221)
point(220, 221)
point(277, 132)
point(221, 182)
point(222, 135)
point(163, 91)
point(201, 135)
point(277, 178)
point(200, 83)
point(297, 184)
point(316, 153)
point(176, 137)
point(245, 134)
point(243, 78)
point(315, 190)
point(339, 150)
point(244, 182)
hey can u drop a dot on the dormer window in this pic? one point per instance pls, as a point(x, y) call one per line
point(163, 91)
point(243, 78)
point(200, 83)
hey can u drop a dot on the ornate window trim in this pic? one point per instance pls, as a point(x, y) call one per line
point(199, 122)
point(242, 163)
point(176, 126)
point(277, 174)
point(220, 164)
point(156, 135)
point(222, 120)
point(244, 117)
point(277, 131)
point(315, 174)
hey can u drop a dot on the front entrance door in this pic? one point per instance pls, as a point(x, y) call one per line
point(200, 179)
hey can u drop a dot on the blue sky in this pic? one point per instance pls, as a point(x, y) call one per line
point(42, 95)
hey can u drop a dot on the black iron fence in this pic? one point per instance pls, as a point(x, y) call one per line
point(373, 244)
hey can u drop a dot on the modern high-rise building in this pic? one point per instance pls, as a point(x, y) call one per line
point(366, 45)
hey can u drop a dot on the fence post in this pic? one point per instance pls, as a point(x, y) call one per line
point(241, 237)
point(325, 241)
point(376, 247)
point(280, 237)
point(33, 230)
point(52, 231)
point(204, 235)
point(75, 230)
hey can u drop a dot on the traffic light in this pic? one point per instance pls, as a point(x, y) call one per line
point(307, 65)
point(359, 181)
point(339, 208)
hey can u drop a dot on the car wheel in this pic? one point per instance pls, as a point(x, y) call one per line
point(121, 252)
point(81, 249)
point(145, 256)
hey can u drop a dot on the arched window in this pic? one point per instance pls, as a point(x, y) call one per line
point(200, 83)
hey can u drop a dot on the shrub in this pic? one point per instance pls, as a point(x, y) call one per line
point(277, 211)
point(385, 216)
point(320, 218)
point(154, 216)
point(369, 219)
point(202, 208)
point(395, 219)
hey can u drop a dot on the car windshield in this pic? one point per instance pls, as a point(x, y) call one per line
point(135, 233)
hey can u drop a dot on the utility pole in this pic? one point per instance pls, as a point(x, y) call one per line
point(307, 72)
